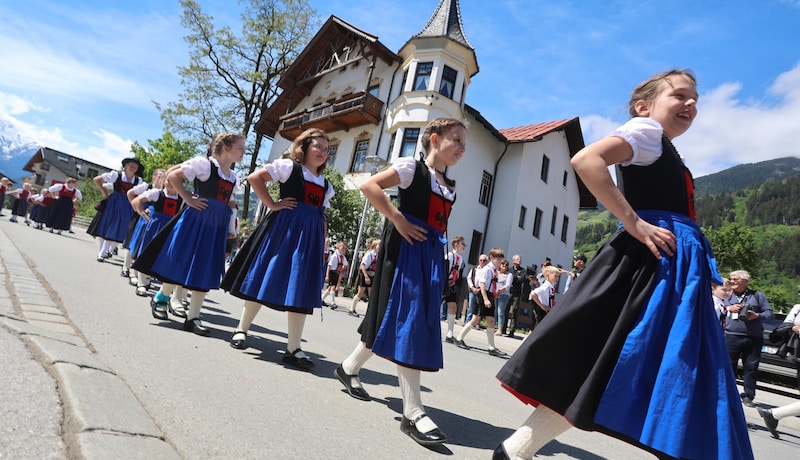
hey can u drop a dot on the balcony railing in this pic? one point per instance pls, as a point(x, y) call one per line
point(350, 111)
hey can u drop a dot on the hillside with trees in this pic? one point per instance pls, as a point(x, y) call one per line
point(755, 227)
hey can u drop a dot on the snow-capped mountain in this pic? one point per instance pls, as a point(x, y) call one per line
point(14, 152)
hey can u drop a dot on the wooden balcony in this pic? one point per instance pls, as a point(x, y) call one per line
point(350, 111)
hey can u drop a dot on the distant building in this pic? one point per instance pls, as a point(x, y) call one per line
point(516, 188)
point(50, 165)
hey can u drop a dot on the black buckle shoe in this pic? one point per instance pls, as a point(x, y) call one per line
point(500, 453)
point(409, 427)
point(356, 392)
point(770, 421)
point(304, 363)
point(159, 309)
point(461, 344)
point(195, 326)
point(239, 344)
point(450, 339)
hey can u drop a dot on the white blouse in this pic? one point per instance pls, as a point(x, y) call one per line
point(200, 168)
point(281, 169)
point(112, 176)
point(58, 187)
point(644, 136)
point(406, 166)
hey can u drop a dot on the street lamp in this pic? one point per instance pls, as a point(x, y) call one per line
point(374, 163)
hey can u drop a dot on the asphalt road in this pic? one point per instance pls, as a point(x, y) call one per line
point(208, 400)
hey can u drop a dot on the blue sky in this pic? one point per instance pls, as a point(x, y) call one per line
point(81, 76)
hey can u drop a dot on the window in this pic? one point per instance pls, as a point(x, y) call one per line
point(545, 168)
point(537, 222)
point(391, 143)
point(374, 90)
point(553, 222)
point(92, 172)
point(63, 159)
point(405, 79)
point(332, 149)
point(486, 187)
point(522, 211)
point(448, 83)
point(564, 227)
point(475, 247)
point(359, 156)
point(409, 145)
point(423, 76)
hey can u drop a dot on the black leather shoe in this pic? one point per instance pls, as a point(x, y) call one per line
point(290, 357)
point(450, 339)
point(770, 421)
point(239, 344)
point(461, 344)
point(353, 313)
point(500, 453)
point(159, 309)
point(498, 353)
point(194, 325)
point(409, 427)
point(356, 392)
point(180, 313)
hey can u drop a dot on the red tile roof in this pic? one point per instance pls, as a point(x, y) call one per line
point(534, 131)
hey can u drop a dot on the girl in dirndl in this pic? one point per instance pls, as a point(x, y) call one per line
point(647, 360)
point(66, 197)
point(190, 250)
point(112, 225)
point(280, 264)
point(402, 319)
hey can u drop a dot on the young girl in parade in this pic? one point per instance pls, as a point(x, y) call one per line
point(190, 250)
point(112, 225)
point(66, 197)
point(20, 206)
point(456, 264)
point(402, 321)
point(366, 273)
point(39, 207)
point(651, 366)
point(156, 207)
point(280, 264)
point(137, 223)
point(5, 184)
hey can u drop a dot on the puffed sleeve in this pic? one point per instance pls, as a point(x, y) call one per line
point(328, 195)
point(405, 168)
point(78, 195)
point(151, 194)
point(141, 188)
point(197, 167)
point(644, 136)
point(280, 169)
point(110, 176)
point(56, 188)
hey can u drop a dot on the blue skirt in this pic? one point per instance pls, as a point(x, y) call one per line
point(280, 265)
point(113, 225)
point(190, 249)
point(410, 331)
point(39, 213)
point(647, 358)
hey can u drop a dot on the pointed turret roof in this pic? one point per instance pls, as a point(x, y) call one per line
point(446, 22)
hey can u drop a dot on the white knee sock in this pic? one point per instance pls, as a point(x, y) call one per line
point(451, 323)
point(412, 399)
point(353, 363)
point(294, 330)
point(195, 304)
point(105, 247)
point(167, 289)
point(787, 410)
point(355, 302)
point(144, 280)
point(326, 294)
point(249, 313)
point(128, 260)
point(464, 331)
point(490, 336)
point(539, 429)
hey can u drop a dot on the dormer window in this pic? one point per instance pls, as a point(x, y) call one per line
point(448, 83)
point(423, 76)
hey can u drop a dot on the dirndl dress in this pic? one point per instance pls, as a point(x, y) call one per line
point(634, 350)
point(189, 250)
point(116, 216)
point(161, 210)
point(402, 320)
point(60, 215)
point(280, 264)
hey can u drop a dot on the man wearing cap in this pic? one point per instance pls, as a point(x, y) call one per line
point(579, 263)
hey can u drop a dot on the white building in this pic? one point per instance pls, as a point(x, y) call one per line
point(516, 189)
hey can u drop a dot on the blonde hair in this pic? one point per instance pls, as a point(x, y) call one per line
point(652, 87)
point(297, 151)
point(550, 269)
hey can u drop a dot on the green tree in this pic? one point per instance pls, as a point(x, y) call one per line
point(232, 78)
point(163, 153)
point(734, 248)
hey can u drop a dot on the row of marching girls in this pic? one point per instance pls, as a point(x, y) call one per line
point(52, 207)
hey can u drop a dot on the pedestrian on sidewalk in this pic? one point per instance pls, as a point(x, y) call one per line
point(199, 231)
point(455, 264)
point(771, 416)
point(280, 264)
point(647, 361)
point(402, 321)
point(366, 273)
